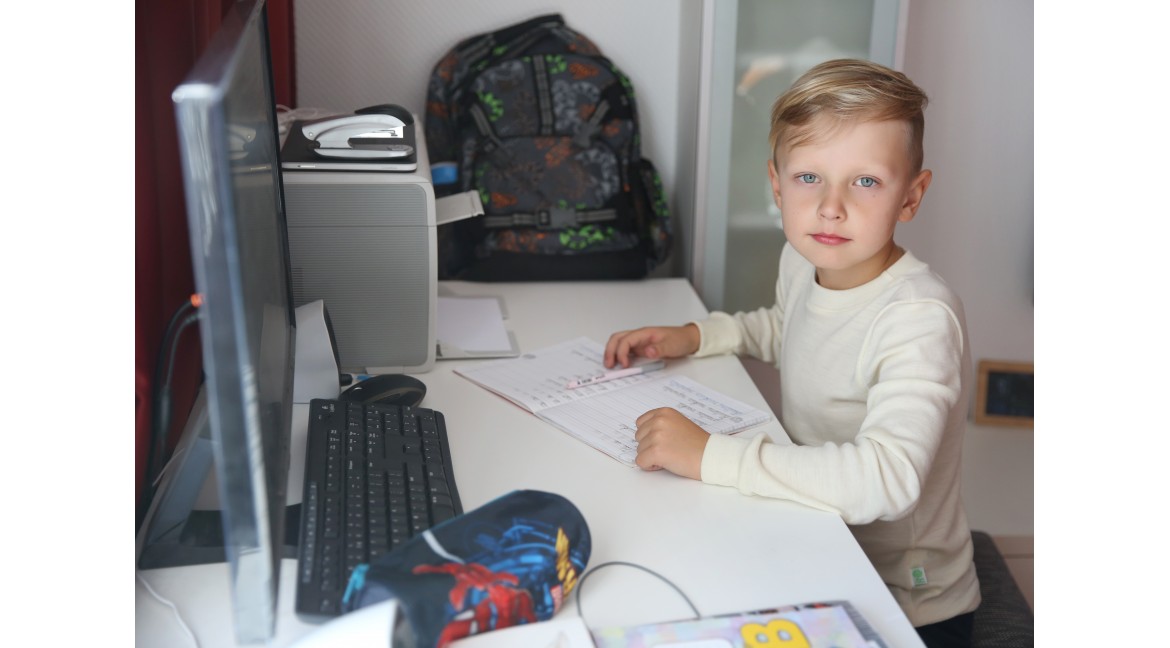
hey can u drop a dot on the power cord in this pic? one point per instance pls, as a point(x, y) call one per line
point(581, 585)
point(168, 603)
point(185, 315)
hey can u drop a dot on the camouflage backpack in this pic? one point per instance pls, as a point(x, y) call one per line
point(545, 128)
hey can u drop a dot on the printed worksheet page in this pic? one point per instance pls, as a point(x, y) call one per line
point(539, 380)
point(603, 414)
point(606, 421)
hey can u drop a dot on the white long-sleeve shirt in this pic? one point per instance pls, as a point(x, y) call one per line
point(874, 393)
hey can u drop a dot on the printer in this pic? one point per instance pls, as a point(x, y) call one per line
point(362, 238)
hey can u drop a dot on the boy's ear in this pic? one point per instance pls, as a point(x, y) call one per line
point(914, 195)
point(774, 178)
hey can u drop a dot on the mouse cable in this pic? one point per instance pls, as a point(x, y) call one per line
point(581, 585)
point(174, 608)
point(160, 419)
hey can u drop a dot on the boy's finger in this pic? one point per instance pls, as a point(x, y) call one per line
point(611, 349)
point(645, 417)
point(643, 461)
point(628, 345)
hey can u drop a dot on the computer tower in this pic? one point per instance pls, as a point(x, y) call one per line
point(364, 242)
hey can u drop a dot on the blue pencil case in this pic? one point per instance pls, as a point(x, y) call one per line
point(511, 561)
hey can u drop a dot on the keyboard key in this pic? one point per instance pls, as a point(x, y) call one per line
point(442, 513)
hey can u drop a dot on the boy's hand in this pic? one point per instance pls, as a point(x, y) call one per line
point(667, 439)
point(652, 342)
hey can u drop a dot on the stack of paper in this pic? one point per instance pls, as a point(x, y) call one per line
point(473, 327)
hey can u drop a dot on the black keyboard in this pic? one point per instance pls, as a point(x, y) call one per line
point(375, 476)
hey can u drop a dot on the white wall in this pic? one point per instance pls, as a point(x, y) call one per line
point(974, 58)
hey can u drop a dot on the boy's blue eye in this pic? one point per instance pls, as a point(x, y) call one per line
point(806, 178)
point(866, 182)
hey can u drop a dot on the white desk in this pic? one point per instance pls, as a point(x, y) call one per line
point(728, 552)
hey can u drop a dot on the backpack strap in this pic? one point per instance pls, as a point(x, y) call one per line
point(555, 218)
point(588, 129)
point(485, 128)
point(540, 24)
point(543, 95)
point(485, 50)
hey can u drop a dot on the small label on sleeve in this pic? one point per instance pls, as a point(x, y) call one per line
point(918, 576)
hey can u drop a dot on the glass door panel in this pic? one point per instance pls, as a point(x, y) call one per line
point(773, 43)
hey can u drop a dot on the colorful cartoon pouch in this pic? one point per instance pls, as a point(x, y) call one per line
point(513, 560)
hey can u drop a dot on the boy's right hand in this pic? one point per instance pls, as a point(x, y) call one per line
point(654, 342)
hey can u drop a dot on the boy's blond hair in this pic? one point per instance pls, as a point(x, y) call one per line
point(849, 90)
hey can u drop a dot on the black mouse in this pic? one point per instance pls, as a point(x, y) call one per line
point(388, 389)
point(394, 110)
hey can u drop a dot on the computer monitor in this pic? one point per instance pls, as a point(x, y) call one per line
point(226, 116)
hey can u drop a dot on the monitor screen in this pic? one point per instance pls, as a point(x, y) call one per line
point(226, 116)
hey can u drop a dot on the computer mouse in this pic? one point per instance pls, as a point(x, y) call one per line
point(394, 110)
point(389, 389)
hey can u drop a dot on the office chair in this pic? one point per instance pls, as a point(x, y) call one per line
point(1004, 618)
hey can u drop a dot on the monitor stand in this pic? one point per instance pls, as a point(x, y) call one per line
point(178, 530)
point(184, 525)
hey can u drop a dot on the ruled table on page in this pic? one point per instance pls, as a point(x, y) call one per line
point(539, 379)
point(607, 421)
point(603, 415)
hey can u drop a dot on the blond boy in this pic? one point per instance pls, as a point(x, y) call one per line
point(870, 344)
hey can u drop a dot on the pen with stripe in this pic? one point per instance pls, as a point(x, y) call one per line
point(617, 373)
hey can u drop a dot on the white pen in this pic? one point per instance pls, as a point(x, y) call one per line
point(618, 373)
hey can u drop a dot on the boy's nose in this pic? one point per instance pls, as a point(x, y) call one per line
point(832, 207)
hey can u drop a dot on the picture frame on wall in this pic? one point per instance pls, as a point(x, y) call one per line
point(1004, 394)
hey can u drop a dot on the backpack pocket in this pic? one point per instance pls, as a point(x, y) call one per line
point(543, 195)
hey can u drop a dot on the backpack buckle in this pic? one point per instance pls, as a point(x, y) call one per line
point(556, 218)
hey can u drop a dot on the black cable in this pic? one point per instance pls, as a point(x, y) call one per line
point(183, 317)
point(189, 320)
point(581, 585)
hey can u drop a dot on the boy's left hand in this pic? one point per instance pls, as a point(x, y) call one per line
point(667, 439)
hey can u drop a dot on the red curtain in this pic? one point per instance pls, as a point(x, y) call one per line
point(169, 37)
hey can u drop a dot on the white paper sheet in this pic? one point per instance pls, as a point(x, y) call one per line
point(473, 327)
point(603, 414)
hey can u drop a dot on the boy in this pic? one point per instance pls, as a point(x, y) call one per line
point(871, 348)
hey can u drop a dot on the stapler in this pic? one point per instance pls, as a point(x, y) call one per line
point(239, 139)
point(371, 133)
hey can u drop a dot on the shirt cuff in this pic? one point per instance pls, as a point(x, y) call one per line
point(721, 459)
point(718, 335)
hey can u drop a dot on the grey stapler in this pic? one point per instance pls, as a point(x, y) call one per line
point(239, 139)
point(363, 136)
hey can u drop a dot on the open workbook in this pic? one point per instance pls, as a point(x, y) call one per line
point(835, 624)
point(603, 414)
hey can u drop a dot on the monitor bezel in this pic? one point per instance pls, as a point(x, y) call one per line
point(251, 469)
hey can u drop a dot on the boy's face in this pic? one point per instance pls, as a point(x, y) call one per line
point(842, 193)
